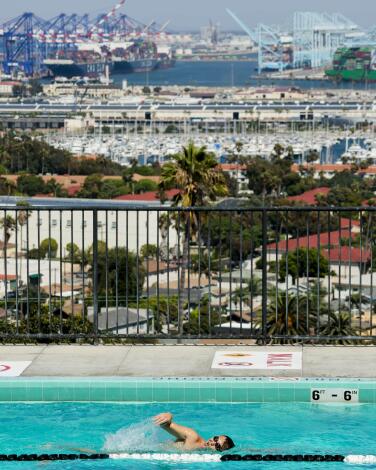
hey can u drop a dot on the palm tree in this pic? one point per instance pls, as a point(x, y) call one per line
point(339, 324)
point(196, 174)
point(8, 225)
point(22, 218)
point(287, 316)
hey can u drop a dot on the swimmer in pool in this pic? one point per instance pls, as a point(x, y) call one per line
point(188, 439)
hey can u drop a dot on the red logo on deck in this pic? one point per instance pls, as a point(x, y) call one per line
point(279, 360)
point(4, 368)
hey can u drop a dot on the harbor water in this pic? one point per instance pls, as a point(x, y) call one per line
point(224, 74)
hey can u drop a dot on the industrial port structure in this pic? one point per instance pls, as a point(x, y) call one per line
point(29, 40)
point(311, 43)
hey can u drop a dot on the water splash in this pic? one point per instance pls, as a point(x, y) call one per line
point(137, 437)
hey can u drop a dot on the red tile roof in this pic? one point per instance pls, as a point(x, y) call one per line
point(371, 170)
point(73, 189)
point(147, 197)
point(309, 197)
point(347, 254)
point(347, 223)
point(232, 166)
point(8, 277)
point(313, 241)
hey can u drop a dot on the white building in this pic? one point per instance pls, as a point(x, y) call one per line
point(121, 224)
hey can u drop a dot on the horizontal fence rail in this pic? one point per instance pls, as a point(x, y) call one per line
point(273, 275)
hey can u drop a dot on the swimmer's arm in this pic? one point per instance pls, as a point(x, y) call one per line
point(182, 433)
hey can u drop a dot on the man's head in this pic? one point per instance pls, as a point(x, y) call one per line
point(220, 443)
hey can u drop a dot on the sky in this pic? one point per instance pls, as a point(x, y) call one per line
point(191, 14)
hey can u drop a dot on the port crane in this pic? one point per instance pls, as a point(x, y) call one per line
point(270, 48)
point(29, 40)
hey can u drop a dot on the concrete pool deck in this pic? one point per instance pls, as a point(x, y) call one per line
point(183, 361)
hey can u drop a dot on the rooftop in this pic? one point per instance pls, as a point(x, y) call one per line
point(310, 197)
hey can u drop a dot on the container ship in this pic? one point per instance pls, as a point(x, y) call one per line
point(77, 64)
point(356, 64)
point(138, 57)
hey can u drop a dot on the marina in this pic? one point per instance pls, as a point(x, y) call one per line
point(125, 147)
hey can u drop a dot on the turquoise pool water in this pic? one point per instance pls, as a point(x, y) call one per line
point(255, 428)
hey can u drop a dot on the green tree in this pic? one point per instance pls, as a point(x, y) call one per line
point(55, 188)
point(49, 247)
point(127, 282)
point(149, 251)
point(30, 185)
point(171, 129)
point(303, 262)
point(92, 187)
point(73, 253)
point(144, 186)
point(196, 174)
point(202, 320)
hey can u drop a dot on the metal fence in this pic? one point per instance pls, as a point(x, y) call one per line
point(270, 274)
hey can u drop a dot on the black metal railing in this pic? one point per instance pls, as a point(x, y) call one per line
point(283, 275)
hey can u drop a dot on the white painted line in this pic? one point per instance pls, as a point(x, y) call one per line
point(13, 368)
point(276, 360)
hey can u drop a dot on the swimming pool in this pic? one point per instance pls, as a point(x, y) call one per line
point(265, 425)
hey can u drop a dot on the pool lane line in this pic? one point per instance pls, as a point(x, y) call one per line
point(194, 457)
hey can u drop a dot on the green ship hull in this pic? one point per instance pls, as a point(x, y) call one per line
point(355, 64)
point(352, 75)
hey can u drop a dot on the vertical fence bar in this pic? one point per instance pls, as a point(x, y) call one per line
point(279, 224)
point(220, 269)
point(329, 263)
point(188, 268)
point(308, 300)
point(287, 272)
point(138, 270)
point(158, 271)
point(340, 269)
point(39, 274)
point(349, 264)
point(83, 255)
point(199, 270)
point(318, 272)
point(49, 273)
point(209, 273)
point(62, 274)
point(27, 273)
point(106, 269)
point(253, 281)
point(6, 237)
point(72, 264)
point(371, 245)
point(180, 313)
point(18, 282)
point(361, 272)
point(230, 262)
point(117, 269)
point(264, 275)
point(95, 271)
point(148, 269)
point(168, 271)
point(298, 276)
point(241, 271)
point(127, 270)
